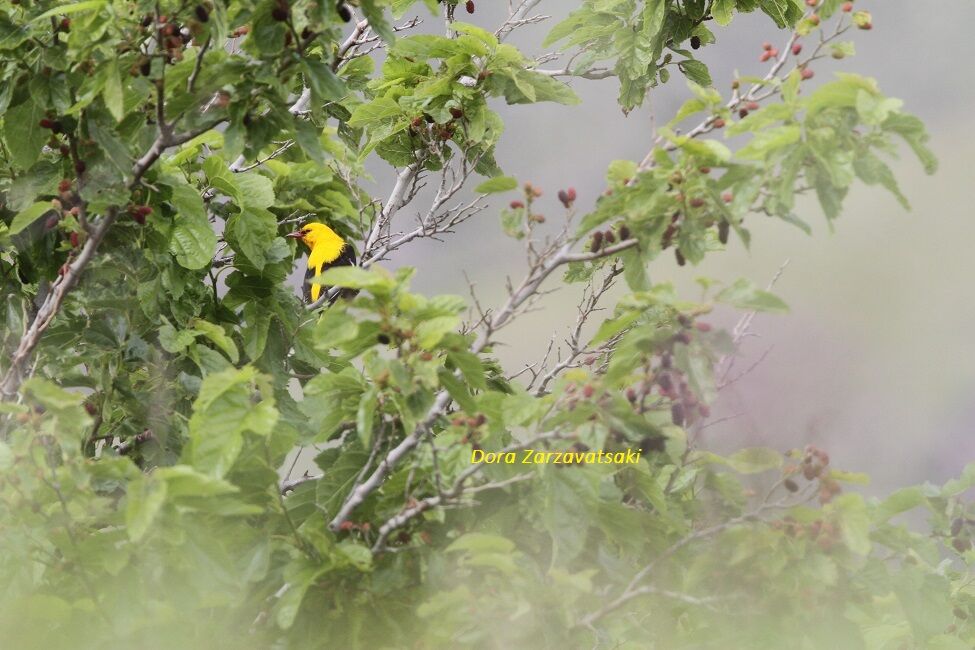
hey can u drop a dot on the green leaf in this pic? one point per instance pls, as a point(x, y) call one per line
point(378, 110)
point(354, 277)
point(325, 85)
point(216, 334)
point(365, 415)
point(696, 71)
point(29, 215)
point(754, 460)
point(23, 133)
point(721, 10)
point(744, 295)
point(430, 332)
point(73, 8)
point(496, 185)
point(112, 91)
point(193, 240)
point(374, 14)
point(222, 412)
point(145, 499)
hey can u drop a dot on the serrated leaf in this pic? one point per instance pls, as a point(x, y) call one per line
point(28, 215)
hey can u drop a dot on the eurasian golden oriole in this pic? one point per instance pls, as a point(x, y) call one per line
point(326, 249)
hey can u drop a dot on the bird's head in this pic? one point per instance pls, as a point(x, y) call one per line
point(310, 233)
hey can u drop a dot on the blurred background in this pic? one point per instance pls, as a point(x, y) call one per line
point(876, 361)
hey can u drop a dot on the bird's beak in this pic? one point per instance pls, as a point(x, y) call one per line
point(294, 235)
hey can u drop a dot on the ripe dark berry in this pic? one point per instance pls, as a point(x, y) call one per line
point(64, 185)
point(201, 13)
point(797, 48)
point(956, 526)
point(743, 113)
point(64, 150)
point(697, 202)
point(719, 123)
point(682, 337)
point(609, 237)
point(279, 14)
point(469, 5)
point(677, 414)
point(664, 381)
point(46, 123)
point(681, 261)
point(456, 113)
point(90, 408)
point(695, 42)
point(624, 232)
point(80, 167)
point(723, 229)
point(791, 485)
point(146, 20)
point(52, 222)
point(516, 205)
point(597, 241)
point(961, 544)
point(65, 25)
point(383, 338)
point(75, 240)
point(345, 13)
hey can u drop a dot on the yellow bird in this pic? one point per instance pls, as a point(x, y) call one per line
point(326, 249)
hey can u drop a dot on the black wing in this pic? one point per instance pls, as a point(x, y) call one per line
point(345, 258)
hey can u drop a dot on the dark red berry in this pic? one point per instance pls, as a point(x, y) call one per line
point(609, 236)
point(516, 205)
point(52, 222)
point(723, 230)
point(201, 13)
point(677, 414)
point(280, 13)
point(719, 123)
point(797, 48)
point(753, 106)
point(345, 13)
point(695, 42)
point(697, 202)
point(808, 73)
point(743, 113)
point(75, 240)
point(46, 123)
point(469, 6)
point(624, 232)
point(90, 408)
point(597, 241)
point(80, 167)
point(456, 113)
point(64, 185)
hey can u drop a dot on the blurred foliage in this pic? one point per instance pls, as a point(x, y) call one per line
point(141, 493)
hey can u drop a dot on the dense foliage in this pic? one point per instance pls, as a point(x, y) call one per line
point(158, 372)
